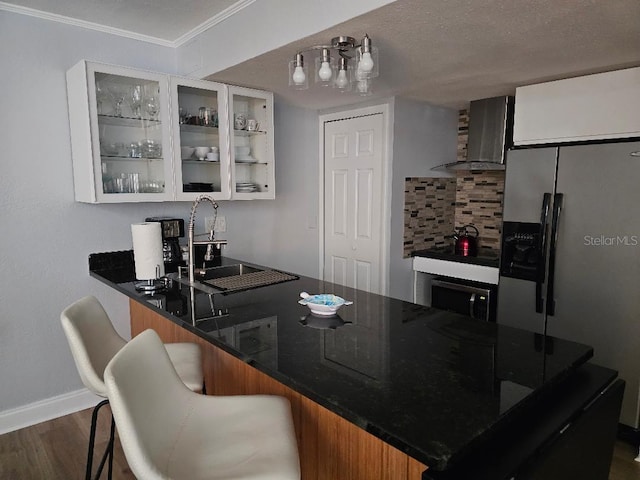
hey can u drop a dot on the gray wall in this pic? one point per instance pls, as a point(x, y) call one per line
point(47, 237)
point(281, 232)
point(424, 136)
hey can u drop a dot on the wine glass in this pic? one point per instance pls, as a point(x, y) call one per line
point(135, 100)
point(117, 92)
point(152, 107)
point(102, 96)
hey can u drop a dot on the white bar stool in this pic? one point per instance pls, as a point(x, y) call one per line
point(169, 432)
point(94, 342)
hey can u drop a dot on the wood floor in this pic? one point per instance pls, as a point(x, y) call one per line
point(56, 450)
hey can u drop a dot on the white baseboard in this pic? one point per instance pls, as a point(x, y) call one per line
point(47, 409)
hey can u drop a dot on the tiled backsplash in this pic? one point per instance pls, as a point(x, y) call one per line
point(463, 134)
point(433, 207)
point(479, 201)
point(429, 210)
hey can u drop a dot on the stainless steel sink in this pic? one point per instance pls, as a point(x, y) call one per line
point(225, 271)
point(202, 275)
point(227, 278)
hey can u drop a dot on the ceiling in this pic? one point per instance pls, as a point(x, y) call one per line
point(442, 52)
point(165, 22)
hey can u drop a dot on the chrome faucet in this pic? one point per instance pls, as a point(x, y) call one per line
point(211, 242)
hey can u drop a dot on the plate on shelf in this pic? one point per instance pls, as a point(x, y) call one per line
point(197, 187)
point(245, 159)
point(246, 187)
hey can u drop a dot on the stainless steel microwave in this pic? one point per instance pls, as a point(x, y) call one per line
point(467, 298)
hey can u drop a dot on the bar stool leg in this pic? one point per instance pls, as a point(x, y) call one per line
point(92, 437)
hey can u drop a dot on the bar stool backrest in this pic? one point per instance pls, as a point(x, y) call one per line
point(92, 339)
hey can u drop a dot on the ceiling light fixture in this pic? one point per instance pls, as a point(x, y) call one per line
point(355, 64)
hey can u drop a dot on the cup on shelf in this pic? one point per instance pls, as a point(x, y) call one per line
point(252, 125)
point(124, 183)
point(213, 156)
point(112, 149)
point(134, 150)
point(208, 117)
point(150, 148)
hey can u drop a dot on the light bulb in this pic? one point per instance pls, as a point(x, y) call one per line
point(342, 81)
point(325, 72)
point(298, 76)
point(366, 62)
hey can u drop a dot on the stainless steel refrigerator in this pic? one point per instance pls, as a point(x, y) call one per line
point(570, 258)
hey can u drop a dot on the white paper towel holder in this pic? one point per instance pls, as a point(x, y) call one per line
point(153, 284)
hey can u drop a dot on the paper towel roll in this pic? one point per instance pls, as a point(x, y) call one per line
point(147, 250)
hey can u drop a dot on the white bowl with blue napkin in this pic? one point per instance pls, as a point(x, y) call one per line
point(324, 303)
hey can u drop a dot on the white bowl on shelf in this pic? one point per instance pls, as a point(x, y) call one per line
point(243, 151)
point(186, 152)
point(201, 152)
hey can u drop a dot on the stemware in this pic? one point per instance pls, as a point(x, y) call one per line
point(152, 107)
point(151, 102)
point(135, 100)
point(117, 92)
point(102, 96)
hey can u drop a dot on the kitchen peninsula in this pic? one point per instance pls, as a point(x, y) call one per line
point(389, 389)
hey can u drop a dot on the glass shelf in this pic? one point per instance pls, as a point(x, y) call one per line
point(115, 158)
point(184, 127)
point(127, 121)
point(247, 133)
point(200, 162)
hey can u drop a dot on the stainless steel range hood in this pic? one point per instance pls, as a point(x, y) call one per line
point(490, 135)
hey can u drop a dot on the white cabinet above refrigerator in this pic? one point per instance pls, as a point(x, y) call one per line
point(593, 107)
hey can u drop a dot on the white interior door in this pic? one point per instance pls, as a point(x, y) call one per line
point(354, 201)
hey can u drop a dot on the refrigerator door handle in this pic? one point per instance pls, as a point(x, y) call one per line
point(472, 301)
point(557, 208)
point(542, 250)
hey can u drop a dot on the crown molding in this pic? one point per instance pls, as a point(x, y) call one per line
point(220, 17)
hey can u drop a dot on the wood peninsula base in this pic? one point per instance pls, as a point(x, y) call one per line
point(331, 448)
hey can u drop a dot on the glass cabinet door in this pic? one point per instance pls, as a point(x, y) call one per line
point(131, 144)
point(200, 139)
point(251, 143)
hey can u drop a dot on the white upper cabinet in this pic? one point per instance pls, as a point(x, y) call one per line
point(593, 107)
point(200, 139)
point(120, 134)
point(251, 146)
point(140, 136)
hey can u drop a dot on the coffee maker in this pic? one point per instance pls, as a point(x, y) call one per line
point(172, 231)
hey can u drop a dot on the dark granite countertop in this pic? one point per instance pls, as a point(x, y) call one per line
point(431, 383)
point(486, 256)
